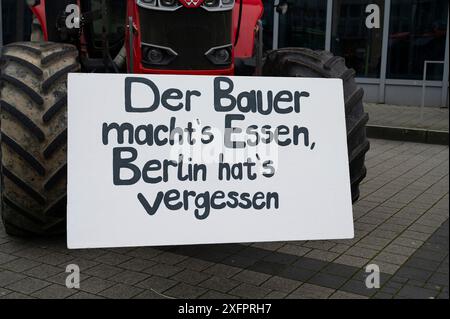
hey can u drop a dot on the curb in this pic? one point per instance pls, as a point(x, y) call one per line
point(408, 134)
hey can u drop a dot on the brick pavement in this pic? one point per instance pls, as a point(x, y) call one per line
point(401, 224)
point(434, 118)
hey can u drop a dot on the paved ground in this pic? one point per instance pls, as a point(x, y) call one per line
point(408, 116)
point(401, 225)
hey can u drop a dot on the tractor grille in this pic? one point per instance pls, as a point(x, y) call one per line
point(189, 32)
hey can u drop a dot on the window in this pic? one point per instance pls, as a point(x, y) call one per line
point(304, 24)
point(352, 39)
point(417, 33)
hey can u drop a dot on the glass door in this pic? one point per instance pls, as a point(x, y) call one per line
point(303, 25)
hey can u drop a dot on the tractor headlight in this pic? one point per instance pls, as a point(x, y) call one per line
point(147, 3)
point(211, 3)
point(219, 55)
point(157, 55)
point(164, 5)
point(218, 5)
point(154, 56)
point(168, 3)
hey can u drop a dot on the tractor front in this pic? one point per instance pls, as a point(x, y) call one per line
point(155, 36)
point(197, 37)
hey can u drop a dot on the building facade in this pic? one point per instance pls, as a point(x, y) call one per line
point(387, 42)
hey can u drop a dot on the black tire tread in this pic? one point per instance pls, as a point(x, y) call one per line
point(33, 115)
point(302, 62)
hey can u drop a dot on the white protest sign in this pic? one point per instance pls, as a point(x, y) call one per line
point(174, 160)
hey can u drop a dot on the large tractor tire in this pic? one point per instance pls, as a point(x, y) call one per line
point(33, 114)
point(300, 62)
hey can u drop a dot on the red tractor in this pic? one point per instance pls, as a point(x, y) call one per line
point(210, 37)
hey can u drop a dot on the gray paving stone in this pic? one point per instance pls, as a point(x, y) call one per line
point(54, 292)
point(309, 291)
point(327, 280)
point(28, 285)
point(386, 267)
point(251, 277)
point(351, 261)
point(82, 263)
point(20, 264)
point(340, 270)
point(169, 258)
point(55, 259)
point(346, 295)
point(88, 253)
point(44, 271)
point(222, 271)
point(443, 295)
point(310, 263)
point(280, 258)
point(431, 255)
point(439, 279)
point(4, 292)
point(280, 284)
point(137, 264)
point(253, 252)
point(397, 279)
point(6, 258)
point(414, 273)
point(103, 271)
point(400, 250)
point(112, 259)
point(60, 278)
point(390, 258)
point(194, 264)
point(272, 246)
point(422, 264)
point(408, 242)
point(340, 248)
point(163, 270)
point(84, 295)
point(362, 252)
point(185, 291)
point(159, 284)
point(191, 277)
point(144, 253)
point(94, 285)
point(250, 291)
point(322, 255)
point(16, 295)
point(121, 291)
point(150, 294)
point(211, 294)
point(129, 277)
point(238, 261)
point(389, 290)
point(8, 277)
point(382, 295)
point(295, 250)
point(276, 295)
point(12, 247)
point(220, 284)
point(417, 293)
point(31, 253)
point(443, 269)
point(358, 287)
point(435, 286)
